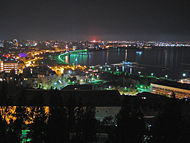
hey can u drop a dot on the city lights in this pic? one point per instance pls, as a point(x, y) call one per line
point(94, 71)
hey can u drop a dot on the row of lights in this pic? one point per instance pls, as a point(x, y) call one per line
point(166, 76)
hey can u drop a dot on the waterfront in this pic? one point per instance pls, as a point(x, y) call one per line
point(170, 61)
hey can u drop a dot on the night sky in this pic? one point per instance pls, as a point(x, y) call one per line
point(95, 19)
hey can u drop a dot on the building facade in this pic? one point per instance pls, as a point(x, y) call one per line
point(168, 90)
point(7, 66)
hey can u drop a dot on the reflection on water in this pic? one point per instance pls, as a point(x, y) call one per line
point(67, 59)
point(168, 60)
point(164, 57)
point(28, 114)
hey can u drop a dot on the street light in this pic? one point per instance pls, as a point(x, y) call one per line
point(152, 74)
point(139, 72)
point(184, 74)
point(166, 76)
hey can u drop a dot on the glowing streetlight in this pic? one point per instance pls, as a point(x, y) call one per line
point(166, 76)
point(152, 74)
point(184, 74)
point(139, 72)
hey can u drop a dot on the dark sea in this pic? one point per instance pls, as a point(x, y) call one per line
point(170, 61)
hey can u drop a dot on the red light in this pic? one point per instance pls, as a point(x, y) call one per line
point(6, 56)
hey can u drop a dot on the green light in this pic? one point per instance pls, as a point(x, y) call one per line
point(96, 81)
point(61, 57)
point(23, 136)
point(28, 140)
point(125, 88)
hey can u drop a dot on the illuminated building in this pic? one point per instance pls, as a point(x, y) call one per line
point(7, 66)
point(185, 80)
point(167, 88)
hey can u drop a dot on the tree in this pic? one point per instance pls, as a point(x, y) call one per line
point(167, 126)
point(14, 130)
point(3, 95)
point(130, 124)
point(58, 127)
point(2, 130)
point(38, 127)
point(86, 126)
point(89, 125)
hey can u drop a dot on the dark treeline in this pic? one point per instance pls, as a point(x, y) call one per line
point(77, 124)
point(70, 124)
point(64, 124)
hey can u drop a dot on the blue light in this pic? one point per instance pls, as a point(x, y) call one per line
point(139, 53)
point(127, 63)
point(22, 55)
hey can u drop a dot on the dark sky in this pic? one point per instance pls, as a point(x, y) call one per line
point(95, 19)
